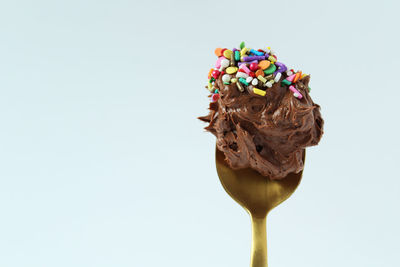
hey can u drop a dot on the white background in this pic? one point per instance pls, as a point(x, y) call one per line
point(103, 162)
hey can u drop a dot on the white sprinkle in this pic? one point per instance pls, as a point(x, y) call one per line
point(278, 77)
point(240, 74)
point(296, 95)
point(269, 84)
point(254, 82)
point(249, 79)
point(288, 72)
point(226, 78)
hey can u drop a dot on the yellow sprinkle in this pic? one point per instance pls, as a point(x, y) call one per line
point(243, 51)
point(210, 87)
point(261, 78)
point(272, 59)
point(304, 75)
point(228, 53)
point(269, 48)
point(233, 80)
point(259, 92)
point(231, 70)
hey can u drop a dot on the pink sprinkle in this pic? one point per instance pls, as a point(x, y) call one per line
point(244, 63)
point(295, 92)
point(245, 68)
point(218, 63)
point(291, 77)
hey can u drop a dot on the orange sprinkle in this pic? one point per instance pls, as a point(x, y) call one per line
point(264, 64)
point(209, 73)
point(297, 77)
point(260, 72)
point(218, 52)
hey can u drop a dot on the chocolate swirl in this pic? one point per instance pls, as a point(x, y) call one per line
point(267, 133)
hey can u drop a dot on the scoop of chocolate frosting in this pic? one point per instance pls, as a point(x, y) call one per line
point(267, 133)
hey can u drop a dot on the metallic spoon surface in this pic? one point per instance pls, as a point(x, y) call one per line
point(258, 195)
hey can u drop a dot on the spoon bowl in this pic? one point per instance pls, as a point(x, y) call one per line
point(258, 195)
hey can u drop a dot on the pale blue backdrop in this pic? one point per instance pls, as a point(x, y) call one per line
point(103, 162)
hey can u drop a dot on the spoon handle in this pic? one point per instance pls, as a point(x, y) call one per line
point(259, 242)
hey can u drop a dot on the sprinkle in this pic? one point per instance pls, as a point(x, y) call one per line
point(251, 58)
point(218, 52)
point(231, 70)
point(269, 77)
point(277, 77)
point(249, 79)
point(216, 91)
point(224, 64)
point(289, 72)
point(209, 73)
point(271, 69)
point(226, 78)
point(272, 59)
point(214, 97)
point(264, 64)
point(210, 87)
point(243, 80)
point(233, 61)
point(215, 74)
point(233, 80)
point(303, 76)
point(260, 72)
point(259, 92)
point(297, 77)
point(253, 66)
point(269, 83)
point(257, 53)
point(244, 67)
point(237, 55)
point(254, 82)
point(281, 67)
point(295, 92)
point(241, 75)
point(240, 87)
point(261, 78)
point(309, 89)
point(286, 82)
point(242, 45)
point(227, 53)
point(244, 63)
point(218, 63)
point(243, 51)
point(291, 77)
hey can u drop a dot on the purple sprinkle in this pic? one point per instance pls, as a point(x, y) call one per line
point(253, 58)
point(234, 49)
point(241, 63)
point(281, 67)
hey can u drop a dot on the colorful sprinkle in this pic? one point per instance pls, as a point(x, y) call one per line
point(243, 80)
point(231, 70)
point(271, 69)
point(250, 68)
point(259, 92)
point(295, 92)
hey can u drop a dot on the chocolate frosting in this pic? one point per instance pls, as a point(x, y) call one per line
point(267, 133)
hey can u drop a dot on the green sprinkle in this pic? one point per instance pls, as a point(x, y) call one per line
point(271, 69)
point(286, 82)
point(243, 80)
point(242, 45)
point(309, 89)
point(237, 55)
point(216, 91)
point(226, 83)
point(212, 79)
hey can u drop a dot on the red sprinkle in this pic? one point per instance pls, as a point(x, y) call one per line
point(215, 74)
point(252, 74)
point(214, 97)
point(253, 66)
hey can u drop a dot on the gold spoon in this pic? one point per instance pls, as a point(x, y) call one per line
point(258, 195)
